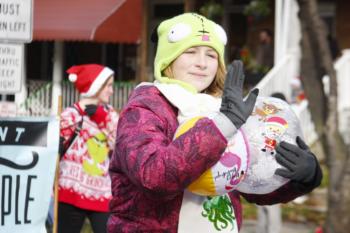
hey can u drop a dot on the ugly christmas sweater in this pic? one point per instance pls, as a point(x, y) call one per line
point(83, 174)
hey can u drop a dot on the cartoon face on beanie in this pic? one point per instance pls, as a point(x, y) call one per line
point(89, 78)
point(181, 32)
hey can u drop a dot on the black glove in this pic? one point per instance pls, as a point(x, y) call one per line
point(232, 104)
point(300, 164)
point(90, 109)
point(97, 113)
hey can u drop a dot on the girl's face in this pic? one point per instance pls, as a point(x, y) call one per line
point(197, 66)
point(106, 91)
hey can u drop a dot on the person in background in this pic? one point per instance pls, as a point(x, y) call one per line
point(265, 50)
point(279, 95)
point(263, 60)
point(150, 169)
point(87, 131)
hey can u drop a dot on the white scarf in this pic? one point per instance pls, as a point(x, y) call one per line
point(199, 214)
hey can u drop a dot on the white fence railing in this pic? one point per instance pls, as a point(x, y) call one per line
point(342, 68)
point(38, 102)
point(306, 123)
point(276, 79)
point(119, 98)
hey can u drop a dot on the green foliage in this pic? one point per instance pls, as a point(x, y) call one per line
point(306, 212)
point(249, 210)
point(251, 66)
point(302, 213)
point(325, 179)
point(34, 95)
point(211, 9)
point(257, 8)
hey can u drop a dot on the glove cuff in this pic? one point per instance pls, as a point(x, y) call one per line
point(225, 125)
point(316, 181)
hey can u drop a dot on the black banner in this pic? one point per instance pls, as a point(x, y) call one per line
point(19, 133)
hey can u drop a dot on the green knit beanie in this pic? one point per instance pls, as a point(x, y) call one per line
point(181, 32)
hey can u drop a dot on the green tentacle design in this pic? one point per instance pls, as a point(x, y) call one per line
point(219, 211)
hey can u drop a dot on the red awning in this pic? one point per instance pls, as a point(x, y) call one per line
point(116, 21)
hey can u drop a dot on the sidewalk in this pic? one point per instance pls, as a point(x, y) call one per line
point(287, 227)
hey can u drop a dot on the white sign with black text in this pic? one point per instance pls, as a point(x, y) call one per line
point(16, 19)
point(11, 67)
point(28, 154)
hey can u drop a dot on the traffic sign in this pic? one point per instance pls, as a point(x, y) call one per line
point(11, 68)
point(16, 20)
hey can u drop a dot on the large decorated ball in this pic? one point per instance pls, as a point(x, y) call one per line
point(248, 163)
point(227, 173)
point(271, 122)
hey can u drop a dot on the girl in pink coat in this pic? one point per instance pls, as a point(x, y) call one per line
point(150, 170)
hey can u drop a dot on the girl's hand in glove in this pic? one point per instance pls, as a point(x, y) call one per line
point(233, 106)
point(300, 164)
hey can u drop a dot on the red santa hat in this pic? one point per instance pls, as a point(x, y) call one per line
point(278, 121)
point(89, 78)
